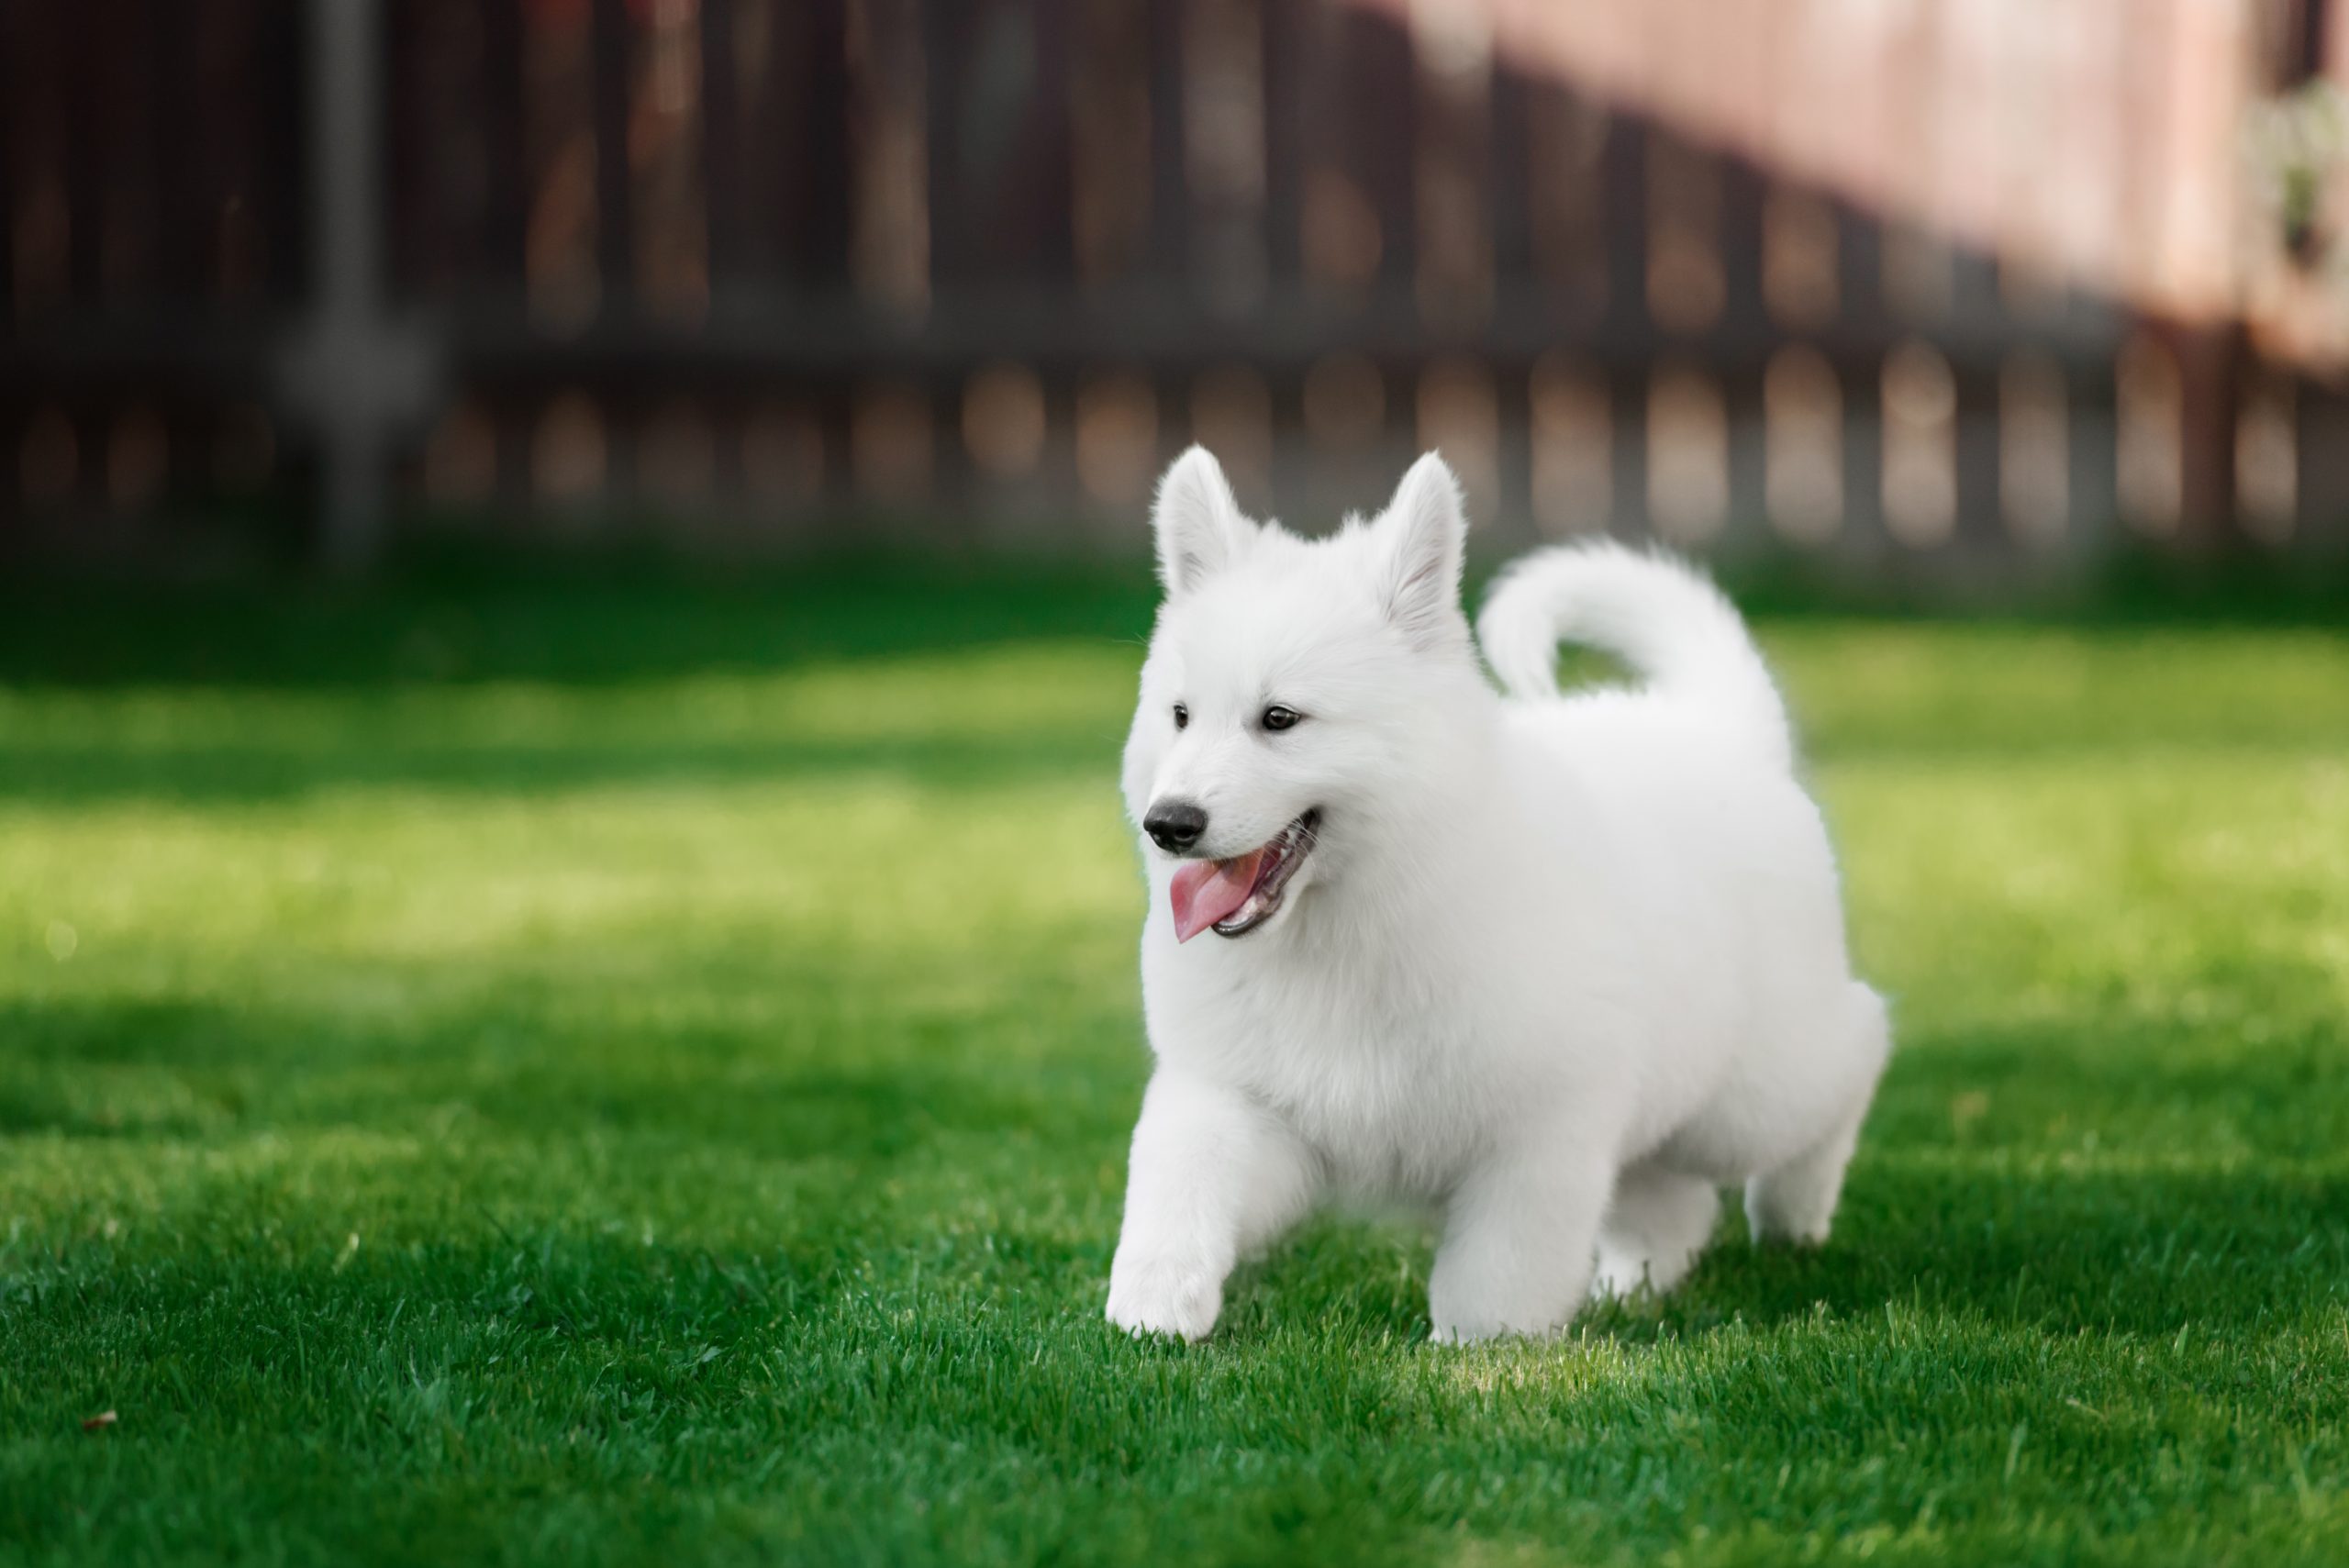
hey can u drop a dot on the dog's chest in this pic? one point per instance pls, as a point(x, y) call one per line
point(1384, 1078)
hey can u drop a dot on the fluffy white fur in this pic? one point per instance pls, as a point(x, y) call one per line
point(1558, 966)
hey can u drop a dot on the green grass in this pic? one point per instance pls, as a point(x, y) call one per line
point(585, 1076)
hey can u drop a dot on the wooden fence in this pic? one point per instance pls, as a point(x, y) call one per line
point(770, 274)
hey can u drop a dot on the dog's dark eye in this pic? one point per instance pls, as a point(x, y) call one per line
point(1182, 715)
point(1279, 718)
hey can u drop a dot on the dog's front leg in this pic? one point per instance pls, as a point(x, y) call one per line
point(1519, 1240)
point(1213, 1176)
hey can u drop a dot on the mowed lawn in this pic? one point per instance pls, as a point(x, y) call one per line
point(568, 1075)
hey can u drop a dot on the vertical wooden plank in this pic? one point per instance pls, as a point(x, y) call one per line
point(1450, 165)
point(13, 29)
point(506, 219)
point(181, 140)
point(1981, 519)
point(421, 226)
point(615, 206)
point(1509, 197)
point(1974, 294)
point(1001, 181)
point(946, 39)
point(436, 115)
point(1049, 172)
point(1627, 396)
point(1170, 184)
point(811, 76)
point(721, 151)
point(1565, 181)
point(2211, 364)
point(1511, 528)
point(891, 122)
point(1508, 210)
point(2093, 505)
point(1382, 96)
point(1742, 188)
point(1863, 533)
point(1859, 266)
point(282, 165)
point(1747, 526)
point(87, 30)
point(235, 102)
point(1623, 171)
point(2322, 417)
point(1284, 69)
point(135, 177)
point(1744, 318)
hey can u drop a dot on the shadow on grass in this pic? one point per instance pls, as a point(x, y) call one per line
point(2054, 1251)
point(812, 1075)
point(593, 629)
point(2075, 1253)
point(593, 623)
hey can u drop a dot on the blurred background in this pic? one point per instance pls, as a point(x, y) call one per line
point(1980, 294)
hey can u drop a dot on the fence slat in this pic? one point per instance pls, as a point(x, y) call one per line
point(13, 27)
point(1001, 185)
point(182, 166)
point(505, 193)
point(721, 144)
point(1046, 166)
point(810, 73)
point(946, 41)
point(1624, 226)
point(281, 150)
point(1170, 185)
point(1284, 70)
point(1380, 99)
point(615, 205)
point(1859, 267)
point(86, 113)
point(1742, 189)
point(1508, 178)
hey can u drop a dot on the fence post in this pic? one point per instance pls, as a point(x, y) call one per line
point(350, 371)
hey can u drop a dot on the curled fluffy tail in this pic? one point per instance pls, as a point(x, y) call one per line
point(1669, 624)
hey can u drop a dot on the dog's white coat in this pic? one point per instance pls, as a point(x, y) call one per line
point(1559, 966)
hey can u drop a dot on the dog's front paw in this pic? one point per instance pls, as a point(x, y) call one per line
point(1165, 1295)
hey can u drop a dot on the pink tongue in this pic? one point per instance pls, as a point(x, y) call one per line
point(1208, 891)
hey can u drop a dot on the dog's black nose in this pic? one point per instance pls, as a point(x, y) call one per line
point(1174, 825)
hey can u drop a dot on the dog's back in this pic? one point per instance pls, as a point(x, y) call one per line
point(1725, 860)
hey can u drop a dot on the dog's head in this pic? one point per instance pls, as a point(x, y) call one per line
point(1293, 686)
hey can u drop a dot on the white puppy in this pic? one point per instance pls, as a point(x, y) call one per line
point(1560, 967)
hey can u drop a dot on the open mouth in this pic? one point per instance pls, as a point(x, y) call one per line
point(1237, 895)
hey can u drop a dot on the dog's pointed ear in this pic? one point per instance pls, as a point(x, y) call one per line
point(1422, 537)
point(1199, 526)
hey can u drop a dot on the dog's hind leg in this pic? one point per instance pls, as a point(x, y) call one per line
point(1656, 1227)
point(1797, 1201)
